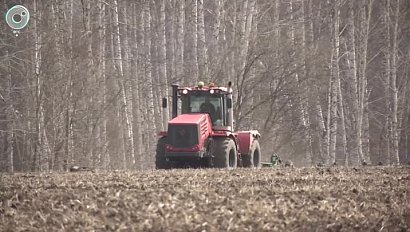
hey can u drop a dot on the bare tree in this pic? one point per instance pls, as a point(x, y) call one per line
point(333, 83)
point(202, 48)
point(126, 104)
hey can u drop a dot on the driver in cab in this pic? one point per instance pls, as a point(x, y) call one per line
point(208, 107)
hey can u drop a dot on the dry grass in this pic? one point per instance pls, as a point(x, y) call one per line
point(282, 199)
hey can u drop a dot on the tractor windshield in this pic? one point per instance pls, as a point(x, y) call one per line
point(199, 102)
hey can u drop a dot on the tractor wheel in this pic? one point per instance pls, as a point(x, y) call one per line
point(253, 159)
point(160, 160)
point(226, 155)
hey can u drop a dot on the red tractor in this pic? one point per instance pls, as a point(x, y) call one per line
point(202, 135)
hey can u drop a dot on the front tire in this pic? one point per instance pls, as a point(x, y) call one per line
point(253, 159)
point(226, 155)
point(160, 159)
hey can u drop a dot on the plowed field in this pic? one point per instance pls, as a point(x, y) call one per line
point(281, 199)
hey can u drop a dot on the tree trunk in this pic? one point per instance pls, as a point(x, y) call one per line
point(233, 46)
point(138, 71)
point(149, 78)
point(69, 143)
point(365, 15)
point(142, 88)
point(302, 85)
point(322, 129)
point(387, 77)
point(342, 123)
point(163, 63)
point(89, 157)
point(127, 108)
point(334, 80)
point(354, 83)
point(365, 134)
point(9, 118)
point(202, 49)
point(103, 140)
point(43, 152)
point(192, 60)
point(179, 59)
point(395, 130)
point(173, 17)
point(128, 87)
point(215, 52)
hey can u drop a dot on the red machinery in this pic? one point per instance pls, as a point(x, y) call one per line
point(202, 134)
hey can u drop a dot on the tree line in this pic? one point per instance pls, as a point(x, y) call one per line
point(323, 81)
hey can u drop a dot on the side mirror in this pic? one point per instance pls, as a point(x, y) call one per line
point(164, 102)
point(229, 103)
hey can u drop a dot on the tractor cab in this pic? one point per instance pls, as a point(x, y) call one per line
point(210, 99)
point(204, 102)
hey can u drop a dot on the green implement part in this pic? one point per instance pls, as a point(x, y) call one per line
point(274, 161)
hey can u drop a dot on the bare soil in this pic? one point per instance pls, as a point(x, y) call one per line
point(269, 199)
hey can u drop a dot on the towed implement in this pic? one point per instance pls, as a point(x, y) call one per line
point(274, 161)
point(201, 131)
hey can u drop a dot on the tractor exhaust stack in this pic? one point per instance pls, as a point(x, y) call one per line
point(174, 100)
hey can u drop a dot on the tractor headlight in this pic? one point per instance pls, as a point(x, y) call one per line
point(185, 91)
point(212, 91)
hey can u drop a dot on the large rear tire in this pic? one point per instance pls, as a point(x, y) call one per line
point(253, 159)
point(226, 155)
point(160, 159)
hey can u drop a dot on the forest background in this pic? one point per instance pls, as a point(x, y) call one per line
point(324, 81)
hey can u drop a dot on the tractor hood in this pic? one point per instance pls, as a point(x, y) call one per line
point(185, 119)
point(188, 132)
